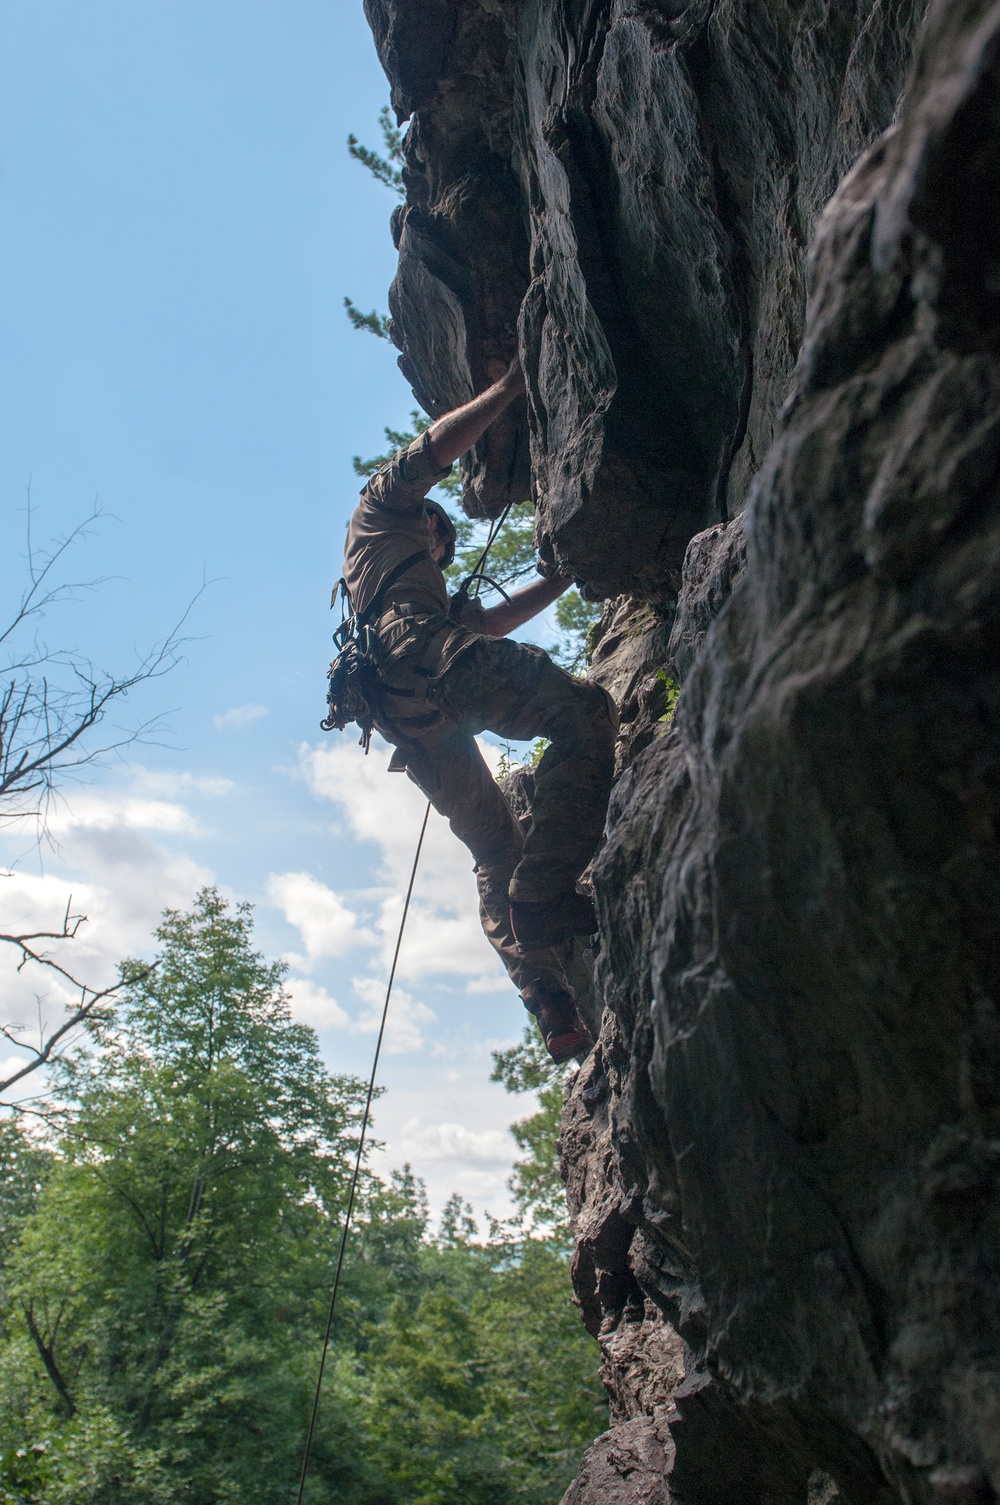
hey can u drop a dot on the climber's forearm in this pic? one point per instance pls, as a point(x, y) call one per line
point(524, 604)
point(457, 432)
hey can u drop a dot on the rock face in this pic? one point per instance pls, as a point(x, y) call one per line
point(786, 1147)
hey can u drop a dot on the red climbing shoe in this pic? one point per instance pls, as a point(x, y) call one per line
point(561, 1027)
point(547, 923)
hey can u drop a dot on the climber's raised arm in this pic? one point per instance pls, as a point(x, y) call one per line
point(458, 431)
point(498, 621)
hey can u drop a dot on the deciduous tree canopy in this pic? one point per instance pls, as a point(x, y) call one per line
point(166, 1264)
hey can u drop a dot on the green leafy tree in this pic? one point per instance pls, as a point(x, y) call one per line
point(374, 322)
point(171, 1280)
point(485, 1391)
point(535, 1183)
point(386, 167)
point(166, 1269)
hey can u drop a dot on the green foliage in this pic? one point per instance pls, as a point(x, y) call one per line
point(535, 1183)
point(164, 1273)
point(535, 751)
point(469, 1395)
point(23, 1166)
point(388, 168)
point(511, 559)
point(577, 620)
point(508, 761)
point(374, 322)
point(399, 439)
point(673, 690)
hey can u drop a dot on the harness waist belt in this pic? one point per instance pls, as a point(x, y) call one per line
point(412, 609)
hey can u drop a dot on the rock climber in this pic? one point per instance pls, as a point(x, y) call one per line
point(449, 672)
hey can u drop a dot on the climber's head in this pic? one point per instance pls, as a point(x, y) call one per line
point(442, 531)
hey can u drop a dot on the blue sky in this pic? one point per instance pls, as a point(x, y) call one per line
point(181, 223)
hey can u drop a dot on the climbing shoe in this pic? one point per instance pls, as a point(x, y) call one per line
point(537, 925)
point(561, 1028)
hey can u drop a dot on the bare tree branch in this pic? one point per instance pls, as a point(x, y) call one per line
point(46, 1352)
point(51, 705)
point(27, 944)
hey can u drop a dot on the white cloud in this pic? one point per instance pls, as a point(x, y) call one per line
point(10, 1064)
point(443, 932)
point(162, 783)
point(108, 868)
point(402, 1030)
point(313, 1005)
point(326, 925)
point(108, 810)
point(239, 715)
point(437, 940)
point(453, 1141)
point(490, 982)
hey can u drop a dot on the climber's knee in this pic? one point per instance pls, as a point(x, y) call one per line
point(587, 719)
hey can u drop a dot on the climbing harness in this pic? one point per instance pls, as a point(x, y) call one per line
point(352, 678)
point(357, 1168)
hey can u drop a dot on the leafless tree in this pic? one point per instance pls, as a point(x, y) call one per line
point(54, 723)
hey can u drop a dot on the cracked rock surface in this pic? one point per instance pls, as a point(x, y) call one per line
point(750, 254)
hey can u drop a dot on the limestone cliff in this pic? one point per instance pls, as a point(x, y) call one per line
point(750, 252)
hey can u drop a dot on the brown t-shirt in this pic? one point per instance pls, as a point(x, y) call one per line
point(387, 526)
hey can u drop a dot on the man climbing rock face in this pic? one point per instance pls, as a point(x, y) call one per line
point(446, 676)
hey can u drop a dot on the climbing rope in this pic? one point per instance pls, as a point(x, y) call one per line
point(477, 573)
point(357, 1168)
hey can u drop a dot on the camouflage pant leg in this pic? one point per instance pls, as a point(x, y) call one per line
point(515, 690)
point(454, 777)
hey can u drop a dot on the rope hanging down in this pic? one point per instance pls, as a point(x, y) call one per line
point(357, 1167)
point(475, 579)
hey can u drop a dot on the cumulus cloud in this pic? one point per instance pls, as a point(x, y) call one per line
point(402, 1030)
point(108, 867)
point(489, 982)
point(453, 1141)
point(239, 715)
point(94, 810)
point(163, 783)
point(326, 925)
point(443, 932)
point(313, 1005)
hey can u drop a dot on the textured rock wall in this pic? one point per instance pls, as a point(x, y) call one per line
point(632, 184)
point(786, 1148)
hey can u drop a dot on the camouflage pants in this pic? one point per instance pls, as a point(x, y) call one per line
point(516, 691)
